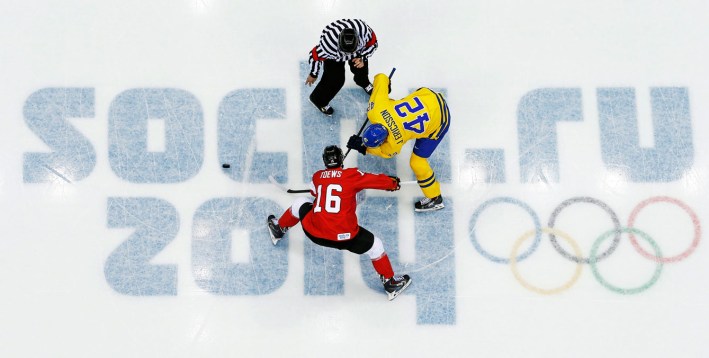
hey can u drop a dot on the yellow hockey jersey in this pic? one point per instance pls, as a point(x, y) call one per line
point(422, 114)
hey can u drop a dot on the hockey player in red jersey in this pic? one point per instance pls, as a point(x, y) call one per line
point(330, 218)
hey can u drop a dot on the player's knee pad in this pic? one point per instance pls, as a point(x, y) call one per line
point(297, 203)
point(377, 249)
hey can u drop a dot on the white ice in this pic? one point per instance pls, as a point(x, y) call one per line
point(122, 236)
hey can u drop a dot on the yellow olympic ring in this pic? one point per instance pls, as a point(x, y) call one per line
point(545, 291)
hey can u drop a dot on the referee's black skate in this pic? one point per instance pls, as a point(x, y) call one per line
point(274, 229)
point(429, 204)
point(327, 110)
point(395, 285)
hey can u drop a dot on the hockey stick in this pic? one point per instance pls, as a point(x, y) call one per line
point(283, 187)
point(365, 117)
point(296, 191)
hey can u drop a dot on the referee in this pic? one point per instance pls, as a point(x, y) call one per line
point(346, 40)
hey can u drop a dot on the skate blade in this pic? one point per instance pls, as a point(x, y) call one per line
point(274, 240)
point(437, 207)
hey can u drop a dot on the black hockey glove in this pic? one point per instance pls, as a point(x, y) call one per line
point(397, 180)
point(355, 143)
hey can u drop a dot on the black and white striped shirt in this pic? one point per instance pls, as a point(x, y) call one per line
point(328, 48)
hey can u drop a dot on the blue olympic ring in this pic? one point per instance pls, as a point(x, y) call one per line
point(527, 208)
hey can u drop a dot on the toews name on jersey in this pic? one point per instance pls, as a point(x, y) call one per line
point(330, 174)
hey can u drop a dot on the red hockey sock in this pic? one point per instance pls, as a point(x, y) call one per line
point(383, 266)
point(287, 220)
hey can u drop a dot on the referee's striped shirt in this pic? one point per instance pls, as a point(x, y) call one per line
point(328, 48)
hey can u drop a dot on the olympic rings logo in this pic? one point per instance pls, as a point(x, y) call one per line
point(594, 256)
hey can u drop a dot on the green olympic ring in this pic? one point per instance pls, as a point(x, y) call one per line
point(626, 291)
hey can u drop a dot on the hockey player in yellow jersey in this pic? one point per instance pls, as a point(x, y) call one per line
point(423, 115)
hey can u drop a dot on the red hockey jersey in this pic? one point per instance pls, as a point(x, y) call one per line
point(333, 215)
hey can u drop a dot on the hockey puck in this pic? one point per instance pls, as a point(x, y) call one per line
point(226, 166)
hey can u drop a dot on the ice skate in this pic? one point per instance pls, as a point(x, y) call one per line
point(395, 285)
point(429, 204)
point(274, 229)
point(327, 110)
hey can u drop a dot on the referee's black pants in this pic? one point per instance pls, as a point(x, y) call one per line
point(333, 78)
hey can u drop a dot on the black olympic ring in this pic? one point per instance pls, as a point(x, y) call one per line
point(585, 199)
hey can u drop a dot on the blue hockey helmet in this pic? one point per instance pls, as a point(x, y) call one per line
point(374, 135)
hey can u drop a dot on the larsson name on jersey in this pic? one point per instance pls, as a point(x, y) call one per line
point(331, 174)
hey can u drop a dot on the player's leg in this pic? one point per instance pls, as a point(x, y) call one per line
point(425, 176)
point(290, 217)
point(332, 80)
point(366, 243)
point(426, 179)
point(361, 75)
point(423, 148)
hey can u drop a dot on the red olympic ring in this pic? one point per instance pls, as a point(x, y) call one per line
point(686, 208)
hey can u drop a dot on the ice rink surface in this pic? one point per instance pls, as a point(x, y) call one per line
point(575, 177)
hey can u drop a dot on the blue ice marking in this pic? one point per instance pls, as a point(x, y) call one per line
point(324, 275)
point(238, 114)
point(72, 157)
point(212, 266)
point(128, 135)
point(492, 161)
point(673, 153)
point(127, 268)
point(537, 115)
